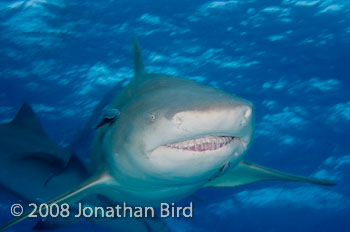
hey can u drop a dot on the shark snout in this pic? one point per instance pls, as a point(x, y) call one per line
point(246, 114)
point(230, 120)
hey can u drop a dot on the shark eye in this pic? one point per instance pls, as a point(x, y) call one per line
point(152, 117)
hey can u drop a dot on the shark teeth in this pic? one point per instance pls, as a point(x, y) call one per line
point(202, 144)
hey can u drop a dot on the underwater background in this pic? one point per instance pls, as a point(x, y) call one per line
point(290, 58)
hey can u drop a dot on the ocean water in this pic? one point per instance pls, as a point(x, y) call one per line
point(290, 58)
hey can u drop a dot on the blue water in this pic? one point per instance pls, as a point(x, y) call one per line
point(290, 58)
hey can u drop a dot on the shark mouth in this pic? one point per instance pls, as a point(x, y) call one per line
point(203, 144)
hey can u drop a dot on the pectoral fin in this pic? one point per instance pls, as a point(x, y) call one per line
point(90, 187)
point(246, 172)
point(132, 224)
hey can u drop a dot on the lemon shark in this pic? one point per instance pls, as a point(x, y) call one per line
point(29, 158)
point(163, 137)
point(33, 168)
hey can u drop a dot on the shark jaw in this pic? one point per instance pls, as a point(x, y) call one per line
point(199, 156)
point(207, 144)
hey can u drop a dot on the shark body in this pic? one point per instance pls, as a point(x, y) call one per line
point(171, 137)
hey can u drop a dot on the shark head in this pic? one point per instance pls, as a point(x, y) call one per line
point(176, 130)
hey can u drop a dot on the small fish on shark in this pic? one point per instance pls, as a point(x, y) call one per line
point(159, 140)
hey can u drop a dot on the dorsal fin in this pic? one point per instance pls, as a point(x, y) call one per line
point(139, 68)
point(26, 118)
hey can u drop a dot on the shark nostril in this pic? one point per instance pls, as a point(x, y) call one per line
point(178, 120)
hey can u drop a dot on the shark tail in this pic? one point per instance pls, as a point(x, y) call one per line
point(87, 188)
